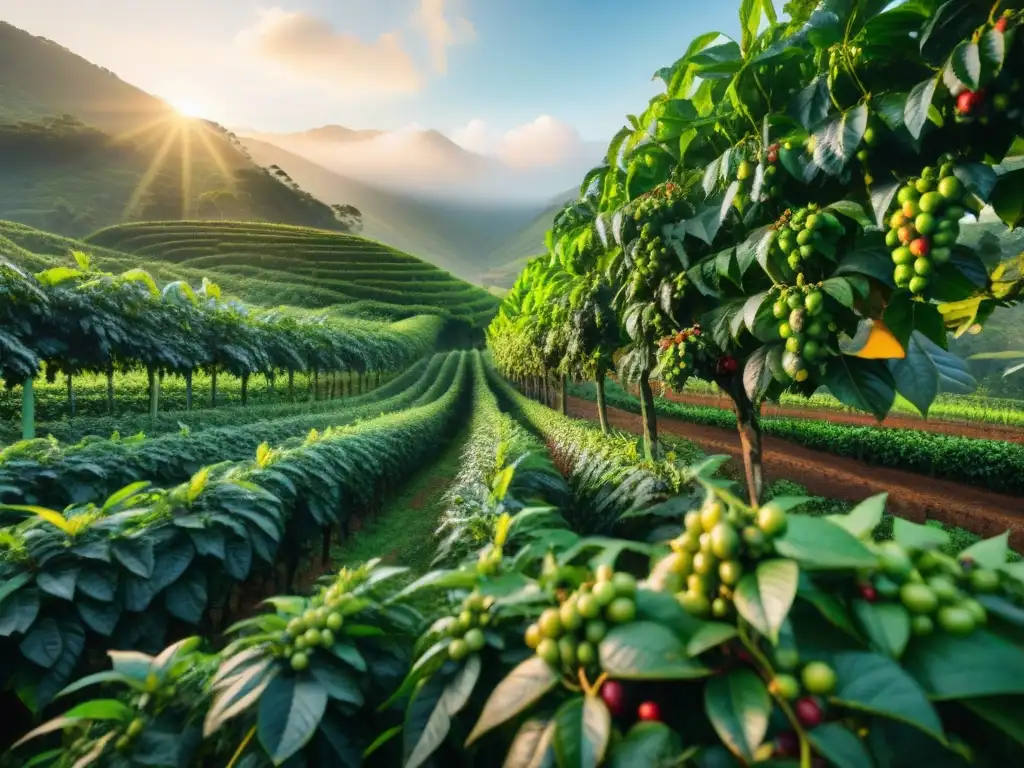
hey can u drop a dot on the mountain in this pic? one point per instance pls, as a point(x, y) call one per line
point(80, 149)
point(416, 161)
point(457, 236)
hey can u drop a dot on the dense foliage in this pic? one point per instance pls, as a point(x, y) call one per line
point(79, 319)
point(125, 570)
point(816, 204)
point(736, 636)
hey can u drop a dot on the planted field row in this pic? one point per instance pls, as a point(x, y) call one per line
point(991, 464)
point(264, 404)
point(81, 320)
point(42, 473)
point(502, 463)
point(125, 571)
point(965, 408)
point(386, 677)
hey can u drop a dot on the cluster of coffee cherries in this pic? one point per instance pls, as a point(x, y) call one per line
point(567, 637)
point(314, 629)
point(679, 356)
point(717, 546)
point(805, 326)
point(925, 226)
point(805, 687)
point(806, 233)
point(467, 627)
point(938, 590)
point(662, 205)
point(872, 137)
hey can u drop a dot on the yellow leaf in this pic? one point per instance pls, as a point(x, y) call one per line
point(197, 483)
point(262, 454)
point(880, 344)
point(501, 528)
point(51, 516)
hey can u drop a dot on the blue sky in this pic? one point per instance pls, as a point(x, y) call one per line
point(493, 66)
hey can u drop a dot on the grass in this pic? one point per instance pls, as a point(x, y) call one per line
point(267, 264)
point(403, 531)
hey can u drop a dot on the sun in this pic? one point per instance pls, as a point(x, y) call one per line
point(186, 107)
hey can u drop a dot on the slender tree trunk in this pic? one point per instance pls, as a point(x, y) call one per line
point(245, 389)
point(291, 386)
point(188, 391)
point(330, 385)
point(110, 389)
point(213, 387)
point(346, 384)
point(649, 417)
point(377, 383)
point(154, 394)
point(71, 396)
point(316, 385)
point(748, 424)
point(28, 409)
point(565, 395)
point(602, 405)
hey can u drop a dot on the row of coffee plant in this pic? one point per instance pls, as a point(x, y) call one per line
point(74, 320)
point(819, 203)
point(48, 473)
point(746, 636)
point(145, 563)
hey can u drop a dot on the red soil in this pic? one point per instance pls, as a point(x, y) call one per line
point(912, 496)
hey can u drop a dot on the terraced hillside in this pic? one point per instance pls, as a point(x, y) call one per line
point(268, 264)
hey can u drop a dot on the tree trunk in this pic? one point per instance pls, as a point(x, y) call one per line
point(602, 405)
point(748, 423)
point(649, 417)
point(110, 390)
point(377, 383)
point(291, 386)
point(245, 389)
point(316, 385)
point(154, 393)
point(28, 410)
point(346, 384)
point(71, 396)
point(213, 387)
point(565, 395)
point(188, 391)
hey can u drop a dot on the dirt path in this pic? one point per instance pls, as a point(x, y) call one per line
point(912, 496)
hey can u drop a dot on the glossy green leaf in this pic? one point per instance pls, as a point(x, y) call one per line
point(765, 596)
point(840, 746)
point(290, 710)
point(643, 650)
point(887, 626)
point(738, 705)
point(818, 544)
point(520, 689)
point(583, 726)
point(877, 684)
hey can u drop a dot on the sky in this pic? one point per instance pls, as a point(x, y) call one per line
point(511, 78)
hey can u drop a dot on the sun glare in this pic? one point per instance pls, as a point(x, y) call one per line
point(186, 108)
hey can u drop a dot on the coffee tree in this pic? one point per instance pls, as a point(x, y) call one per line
point(817, 204)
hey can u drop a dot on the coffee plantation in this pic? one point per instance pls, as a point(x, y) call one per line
point(820, 203)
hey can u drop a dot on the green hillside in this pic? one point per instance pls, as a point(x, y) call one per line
point(83, 149)
point(511, 256)
point(267, 264)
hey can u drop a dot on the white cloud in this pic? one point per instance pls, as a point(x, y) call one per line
point(545, 141)
point(441, 33)
point(309, 46)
